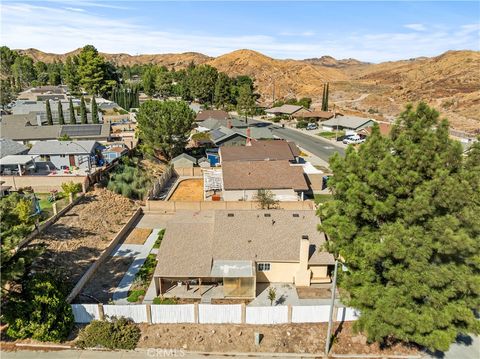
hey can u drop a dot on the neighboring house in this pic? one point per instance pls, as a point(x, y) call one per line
point(184, 161)
point(62, 154)
point(39, 92)
point(212, 114)
point(18, 165)
point(288, 110)
point(114, 151)
point(238, 249)
point(29, 128)
point(203, 162)
point(224, 136)
point(384, 127)
point(9, 147)
point(349, 123)
point(243, 179)
point(271, 150)
point(314, 115)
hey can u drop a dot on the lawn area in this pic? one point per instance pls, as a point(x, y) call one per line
point(331, 134)
point(47, 207)
point(322, 198)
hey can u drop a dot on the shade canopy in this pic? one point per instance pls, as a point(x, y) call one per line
point(17, 159)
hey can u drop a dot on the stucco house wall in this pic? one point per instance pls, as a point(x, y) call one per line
point(249, 195)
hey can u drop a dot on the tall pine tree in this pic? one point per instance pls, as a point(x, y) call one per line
point(49, 113)
point(61, 119)
point(405, 220)
point(83, 112)
point(94, 110)
point(71, 110)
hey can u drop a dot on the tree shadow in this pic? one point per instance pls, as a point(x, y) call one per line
point(281, 300)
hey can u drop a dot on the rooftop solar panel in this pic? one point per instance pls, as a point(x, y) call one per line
point(81, 130)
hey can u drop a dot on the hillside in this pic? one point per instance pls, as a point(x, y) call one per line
point(450, 82)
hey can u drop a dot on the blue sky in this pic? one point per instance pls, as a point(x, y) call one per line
point(368, 31)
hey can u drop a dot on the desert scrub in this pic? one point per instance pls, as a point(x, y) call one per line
point(117, 334)
point(129, 179)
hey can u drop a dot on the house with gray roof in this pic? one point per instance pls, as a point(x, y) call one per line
point(349, 123)
point(235, 250)
point(62, 154)
point(30, 128)
point(9, 147)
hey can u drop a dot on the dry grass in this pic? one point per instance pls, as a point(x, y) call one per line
point(188, 190)
point(138, 236)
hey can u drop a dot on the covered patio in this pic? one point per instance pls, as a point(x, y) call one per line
point(17, 165)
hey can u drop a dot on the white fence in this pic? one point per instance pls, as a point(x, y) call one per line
point(267, 315)
point(311, 314)
point(180, 313)
point(220, 313)
point(211, 313)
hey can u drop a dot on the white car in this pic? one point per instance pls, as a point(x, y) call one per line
point(355, 139)
point(312, 126)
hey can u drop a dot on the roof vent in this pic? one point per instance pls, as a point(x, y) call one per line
point(267, 214)
point(230, 215)
point(296, 215)
point(304, 236)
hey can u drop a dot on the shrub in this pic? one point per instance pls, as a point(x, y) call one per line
point(40, 311)
point(147, 269)
point(135, 295)
point(302, 124)
point(71, 187)
point(158, 242)
point(162, 300)
point(118, 334)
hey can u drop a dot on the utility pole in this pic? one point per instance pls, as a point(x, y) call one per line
point(330, 318)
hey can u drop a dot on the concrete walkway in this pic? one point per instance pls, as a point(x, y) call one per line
point(140, 252)
point(285, 294)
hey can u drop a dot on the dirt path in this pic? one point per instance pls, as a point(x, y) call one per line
point(362, 97)
point(76, 240)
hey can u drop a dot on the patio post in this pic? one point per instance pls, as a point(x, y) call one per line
point(54, 207)
point(200, 286)
point(19, 169)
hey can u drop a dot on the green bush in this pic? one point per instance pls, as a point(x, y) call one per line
point(40, 311)
point(146, 271)
point(158, 242)
point(118, 334)
point(71, 187)
point(129, 179)
point(135, 295)
point(161, 300)
point(302, 124)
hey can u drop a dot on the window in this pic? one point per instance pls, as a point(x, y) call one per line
point(263, 267)
point(45, 158)
point(62, 156)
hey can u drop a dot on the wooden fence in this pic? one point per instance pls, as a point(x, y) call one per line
point(211, 313)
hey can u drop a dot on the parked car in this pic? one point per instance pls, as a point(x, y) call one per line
point(312, 126)
point(354, 139)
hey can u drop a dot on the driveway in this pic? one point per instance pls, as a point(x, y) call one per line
point(466, 347)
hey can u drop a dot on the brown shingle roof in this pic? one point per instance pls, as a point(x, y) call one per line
point(260, 151)
point(323, 115)
point(193, 240)
point(240, 175)
point(215, 114)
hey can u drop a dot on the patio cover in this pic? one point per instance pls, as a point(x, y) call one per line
point(17, 159)
point(232, 269)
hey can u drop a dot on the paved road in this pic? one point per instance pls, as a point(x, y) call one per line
point(320, 147)
point(466, 347)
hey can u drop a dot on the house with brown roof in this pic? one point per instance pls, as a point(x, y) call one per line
point(243, 179)
point(229, 252)
point(314, 115)
point(262, 150)
point(288, 110)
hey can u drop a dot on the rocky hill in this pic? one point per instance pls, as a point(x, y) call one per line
point(450, 82)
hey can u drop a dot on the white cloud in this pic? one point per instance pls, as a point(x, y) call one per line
point(75, 9)
point(416, 27)
point(61, 29)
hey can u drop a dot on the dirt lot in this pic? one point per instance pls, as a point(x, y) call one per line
point(313, 293)
point(138, 236)
point(100, 288)
point(76, 240)
point(287, 338)
point(188, 190)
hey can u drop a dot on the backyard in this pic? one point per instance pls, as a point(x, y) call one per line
point(76, 240)
point(188, 190)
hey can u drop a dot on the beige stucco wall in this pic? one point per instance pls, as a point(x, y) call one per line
point(183, 163)
point(41, 183)
point(319, 271)
point(249, 195)
point(279, 272)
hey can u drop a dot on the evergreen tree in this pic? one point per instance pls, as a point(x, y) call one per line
point(246, 101)
point(222, 91)
point(164, 126)
point(94, 111)
point(61, 120)
point(163, 82)
point(201, 82)
point(49, 113)
point(70, 73)
point(73, 120)
point(326, 97)
point(405, 220)
point(83, 111)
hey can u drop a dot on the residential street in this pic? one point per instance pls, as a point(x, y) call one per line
point(319, 146)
